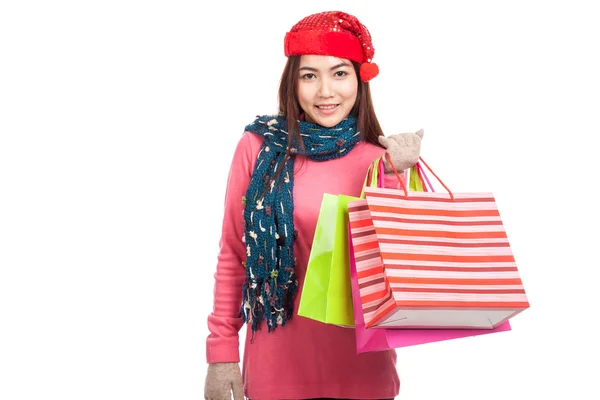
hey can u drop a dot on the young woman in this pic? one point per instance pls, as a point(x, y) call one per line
point(322, 141)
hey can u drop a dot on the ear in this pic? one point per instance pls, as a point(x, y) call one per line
point(420, 133)
point(385, 142)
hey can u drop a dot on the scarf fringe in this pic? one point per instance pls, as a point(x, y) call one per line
point(254, 310)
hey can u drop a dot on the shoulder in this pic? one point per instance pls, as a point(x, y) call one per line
point(370, 150)
point(252, 139)
point(248, 146)
point(360, 156)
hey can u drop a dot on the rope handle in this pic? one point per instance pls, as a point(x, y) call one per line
point(387, 156)
point(424, 177)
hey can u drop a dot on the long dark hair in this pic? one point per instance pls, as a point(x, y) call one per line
point(289, 108)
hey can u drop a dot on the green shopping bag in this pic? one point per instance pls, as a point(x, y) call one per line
point(327, 291)
point(415, 184)
point(418, 180)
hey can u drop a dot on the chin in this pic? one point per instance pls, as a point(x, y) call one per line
point(326, 122)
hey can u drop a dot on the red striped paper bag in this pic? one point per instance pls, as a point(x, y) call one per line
point(434, 260)
point(375, 292)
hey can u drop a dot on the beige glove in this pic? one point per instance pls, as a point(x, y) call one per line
point(221, 380)
point(403, 148)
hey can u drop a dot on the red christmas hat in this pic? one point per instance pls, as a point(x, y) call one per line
point(333, 33)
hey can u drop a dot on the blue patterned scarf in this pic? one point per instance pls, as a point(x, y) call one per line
point(269, 233)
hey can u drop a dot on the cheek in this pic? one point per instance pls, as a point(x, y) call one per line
point(304, 94)
point(349, 90)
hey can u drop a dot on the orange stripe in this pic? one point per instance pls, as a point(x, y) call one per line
point(374, 296)
point(450, 269)
point(365, 246)
point(445, 213)
point(444, 234)
point(463, 304)
point(455, 281)
point(470, 291)
point(443, 244)
point(369, 272)
point(436, 221)
point(446, 258)
point(361, 223)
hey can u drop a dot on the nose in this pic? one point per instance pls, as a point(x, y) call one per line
point(325, 88)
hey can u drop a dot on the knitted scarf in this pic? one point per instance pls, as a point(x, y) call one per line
point(269, 233)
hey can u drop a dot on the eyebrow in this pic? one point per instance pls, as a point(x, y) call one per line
point(342, 64)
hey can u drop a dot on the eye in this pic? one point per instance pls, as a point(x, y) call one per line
point(340, 74)
point(308, 76)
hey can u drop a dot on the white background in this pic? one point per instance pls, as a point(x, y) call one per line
point(118, 121)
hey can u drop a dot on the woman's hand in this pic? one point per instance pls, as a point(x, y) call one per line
point(404, 150)
point(221, 380)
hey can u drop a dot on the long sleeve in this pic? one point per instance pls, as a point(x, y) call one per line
point(391, 180)
point(225, 322)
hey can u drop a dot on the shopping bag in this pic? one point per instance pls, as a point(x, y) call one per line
point(326, 293)
point(378, 339)
point(433, 260)
point(415, 180)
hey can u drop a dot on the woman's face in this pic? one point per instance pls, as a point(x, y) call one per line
point(327, 89)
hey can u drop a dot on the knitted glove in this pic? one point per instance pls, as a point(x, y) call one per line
point(221, 380)
point(403, 148)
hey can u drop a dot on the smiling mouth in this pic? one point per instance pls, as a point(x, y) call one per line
point(327, 107)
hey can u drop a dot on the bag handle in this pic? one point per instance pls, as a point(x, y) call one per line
point(387, 156)
point(381, 182)
point(374, 177)
point(424, 177)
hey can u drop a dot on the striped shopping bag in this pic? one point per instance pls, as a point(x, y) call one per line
point(433, 260)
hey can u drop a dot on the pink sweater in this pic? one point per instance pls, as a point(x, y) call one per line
point(304, 359)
